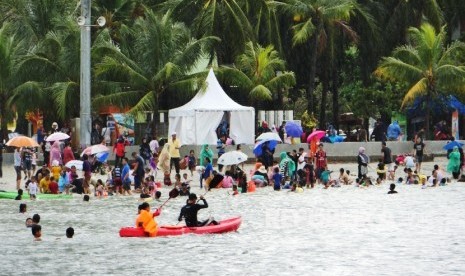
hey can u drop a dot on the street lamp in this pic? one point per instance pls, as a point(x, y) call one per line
point(84, 21)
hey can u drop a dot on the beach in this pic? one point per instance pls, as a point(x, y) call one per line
point(337, 231)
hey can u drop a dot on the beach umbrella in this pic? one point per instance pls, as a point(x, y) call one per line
point(76, 163)
point(452, 144)
point(22, 141)
point(57, 136)
point(269, 136)
point(293, 129)
point(102, 156)
point(95, 149)
point(336, 139)
point(317, 134)
point(257, 150)
point(232, 158)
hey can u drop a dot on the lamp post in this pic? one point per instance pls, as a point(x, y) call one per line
point(84, 21)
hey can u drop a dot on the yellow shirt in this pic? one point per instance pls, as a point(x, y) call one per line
point(174, 152)
point(44, 185)
point(56, 170)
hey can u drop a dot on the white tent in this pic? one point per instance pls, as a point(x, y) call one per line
point(196, 122)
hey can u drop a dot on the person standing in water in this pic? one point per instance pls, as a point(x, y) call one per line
point(175, 145)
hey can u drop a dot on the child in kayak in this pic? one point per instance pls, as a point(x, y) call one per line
point(189, 212)
point(146, 219)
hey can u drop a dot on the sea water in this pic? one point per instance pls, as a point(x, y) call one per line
point(339, 231)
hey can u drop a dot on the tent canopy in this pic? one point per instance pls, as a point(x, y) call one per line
point(196, 122)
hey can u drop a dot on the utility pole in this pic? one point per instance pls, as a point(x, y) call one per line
point(85, 85)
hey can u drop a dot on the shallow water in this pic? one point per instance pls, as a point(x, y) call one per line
point(345, 231)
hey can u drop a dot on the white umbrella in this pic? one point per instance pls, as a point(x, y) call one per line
point(57, 136)
point(232, 158)
point(95, 149)
point(269, 136)
point(76, 163)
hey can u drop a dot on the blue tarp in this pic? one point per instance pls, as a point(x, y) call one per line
point(441, 105)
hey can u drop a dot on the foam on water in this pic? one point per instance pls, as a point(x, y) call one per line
point(345, 231)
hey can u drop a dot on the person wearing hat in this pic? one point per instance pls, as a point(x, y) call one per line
point(54, 127)
point(175, 145)
point(189, 212)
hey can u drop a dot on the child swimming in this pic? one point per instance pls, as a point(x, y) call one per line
point(392, 188)
point(36, 230)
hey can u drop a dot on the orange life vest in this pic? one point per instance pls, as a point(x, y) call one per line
point(148, 223)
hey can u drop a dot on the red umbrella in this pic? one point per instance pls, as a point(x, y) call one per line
point(317, 134)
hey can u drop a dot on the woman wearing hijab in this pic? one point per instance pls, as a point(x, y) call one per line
point(55, 153)
point(454, 163)
point(286, 165)
point(164, 158)
point(362, 160)
point(205, 153)
point(68, 154)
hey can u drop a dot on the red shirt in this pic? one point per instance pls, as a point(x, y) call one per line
point(320, 157)
point(119, 149)
point(53, 187)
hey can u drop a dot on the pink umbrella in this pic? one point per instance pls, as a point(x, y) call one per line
point(95, 149)
point(317, 134)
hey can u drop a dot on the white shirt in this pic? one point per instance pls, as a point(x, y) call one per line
point(33, 188)
point(106, 133)
point(17, 157)
point(154, 145)
point(301, 161)
point(409, 162)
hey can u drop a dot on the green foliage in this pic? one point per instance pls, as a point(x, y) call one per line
point(146, 54)
point(158, 64)
point(308, 121)
point(258, 72)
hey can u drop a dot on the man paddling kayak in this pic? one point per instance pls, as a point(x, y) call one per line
point(189, 212)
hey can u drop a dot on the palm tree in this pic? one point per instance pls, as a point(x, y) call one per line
point(259, 72)
point(312, 18)
point(118, 14)
point(34, 19)
point(51, 72)
point(155, 59)
point(224, 19)
point(427, 66)
point(265, 22)
point(11, 51)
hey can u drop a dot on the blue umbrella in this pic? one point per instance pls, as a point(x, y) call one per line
point(102, 156)
point(452, 144)
point(257, 150)
point(293, 129)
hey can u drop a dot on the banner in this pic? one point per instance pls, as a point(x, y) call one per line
point(455, 124)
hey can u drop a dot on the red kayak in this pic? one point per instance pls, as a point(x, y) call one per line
point(227, 225)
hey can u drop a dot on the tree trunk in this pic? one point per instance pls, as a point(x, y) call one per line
point(427, 118)
point(312, 73)
point(335, 92)
point(3, 122)
point(324, 96)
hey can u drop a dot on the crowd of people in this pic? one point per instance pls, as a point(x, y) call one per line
point(295, 171)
